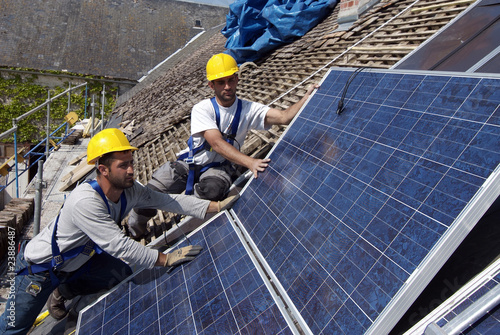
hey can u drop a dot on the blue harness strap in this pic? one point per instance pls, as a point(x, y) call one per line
point(88, 249)
point(188, 157)
point(233, 128)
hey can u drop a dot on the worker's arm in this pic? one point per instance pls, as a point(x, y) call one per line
point(229, 152)
point(276, 117)
point(213, 207)
point(145, 197)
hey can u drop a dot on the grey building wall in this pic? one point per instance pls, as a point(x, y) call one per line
point(119, 38)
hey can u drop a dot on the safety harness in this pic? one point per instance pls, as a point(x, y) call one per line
point(88, 249)
point(188, 157)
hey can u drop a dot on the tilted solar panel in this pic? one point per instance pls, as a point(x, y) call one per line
point(220, 292)
point(474, 309)
point(358, 211)
point(354, 216)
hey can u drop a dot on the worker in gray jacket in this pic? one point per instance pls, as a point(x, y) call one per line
point(83, 250)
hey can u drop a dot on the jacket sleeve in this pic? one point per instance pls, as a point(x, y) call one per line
point(92, 218)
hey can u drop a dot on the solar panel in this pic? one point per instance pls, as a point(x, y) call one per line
point(220, 292)
point(474, 309)
point(358, 211)
point(354, 216)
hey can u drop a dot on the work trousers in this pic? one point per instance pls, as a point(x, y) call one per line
point(213, 184)
point(22, 308)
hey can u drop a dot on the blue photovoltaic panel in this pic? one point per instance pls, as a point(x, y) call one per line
point(220, 292)
point(353, 203)
point(489, 324)
point(474, 309)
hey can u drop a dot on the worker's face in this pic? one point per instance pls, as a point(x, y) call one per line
point(121, 170)
point(225, 89)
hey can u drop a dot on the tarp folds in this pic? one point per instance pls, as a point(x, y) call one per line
point(255, 27)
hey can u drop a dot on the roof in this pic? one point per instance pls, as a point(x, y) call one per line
point(468, 44)
point(380, 38)
point(158, 108)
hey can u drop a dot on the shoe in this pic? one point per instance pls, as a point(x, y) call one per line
point(56, 306)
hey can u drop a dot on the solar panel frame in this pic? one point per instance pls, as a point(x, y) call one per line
point(476, 288)
point(276, 287)
point(416, 281)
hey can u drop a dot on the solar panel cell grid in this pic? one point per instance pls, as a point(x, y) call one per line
point(221, 292)
point(348, 220)
point(364, 197)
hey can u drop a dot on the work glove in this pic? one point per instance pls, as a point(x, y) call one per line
point(227, 203)
point(182, 255)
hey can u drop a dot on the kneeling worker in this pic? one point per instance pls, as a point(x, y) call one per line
point(83, 250)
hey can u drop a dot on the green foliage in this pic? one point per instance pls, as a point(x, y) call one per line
point(20, 95)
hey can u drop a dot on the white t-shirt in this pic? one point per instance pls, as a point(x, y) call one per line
point(252, 116)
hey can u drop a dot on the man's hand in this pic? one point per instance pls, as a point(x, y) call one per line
point(229, 152)
point(311, 88)
point(181, 255)
point(258, 165)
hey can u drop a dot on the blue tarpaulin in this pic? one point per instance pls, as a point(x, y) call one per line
point(255, 27)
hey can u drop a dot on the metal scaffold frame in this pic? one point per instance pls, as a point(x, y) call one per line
point(50, 138)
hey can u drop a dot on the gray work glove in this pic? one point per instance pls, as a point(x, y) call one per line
point(182, 255)
point(228, 202)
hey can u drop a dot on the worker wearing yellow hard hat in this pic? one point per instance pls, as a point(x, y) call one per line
point(84, 249)
point(207, 167)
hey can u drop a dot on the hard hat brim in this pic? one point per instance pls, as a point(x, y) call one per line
point(118, 149)
point(222, 75)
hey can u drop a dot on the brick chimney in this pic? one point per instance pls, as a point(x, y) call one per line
point(351, 10)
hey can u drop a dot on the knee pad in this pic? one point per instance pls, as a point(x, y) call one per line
point(211, 188)
point(146, 212)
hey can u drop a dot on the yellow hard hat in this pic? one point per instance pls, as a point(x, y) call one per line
point(220, 66)
point(106, 141)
